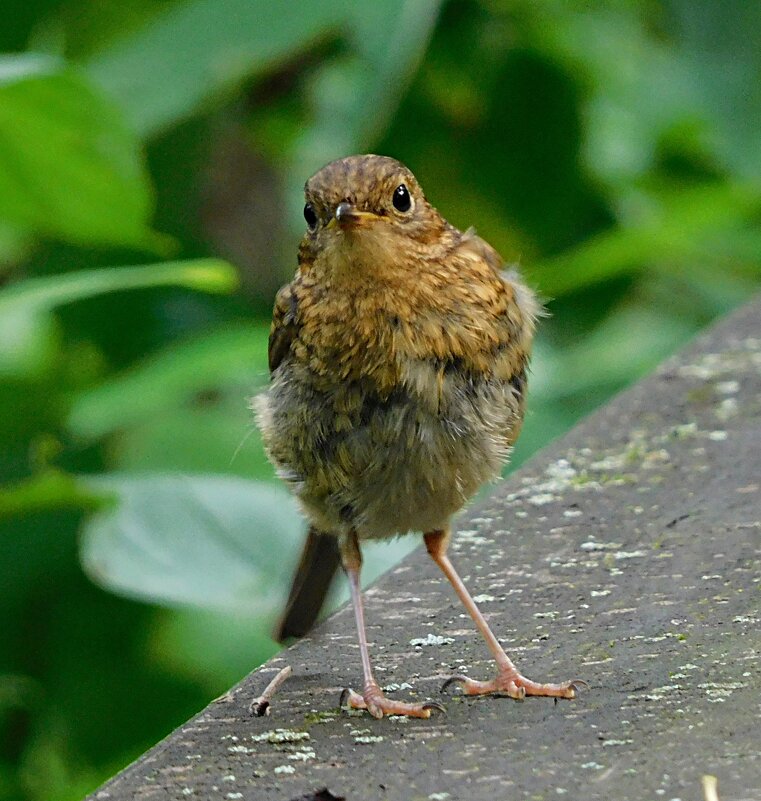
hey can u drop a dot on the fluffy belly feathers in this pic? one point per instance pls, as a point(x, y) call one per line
point(386, 466)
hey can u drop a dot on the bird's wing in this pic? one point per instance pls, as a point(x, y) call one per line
point(320, 558)
point(496, 310)
point(472, 244)
point(524, 300)
point(284, 326)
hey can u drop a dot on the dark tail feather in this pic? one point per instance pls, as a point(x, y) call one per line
point(319, 561)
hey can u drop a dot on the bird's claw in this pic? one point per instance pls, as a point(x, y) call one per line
point(453, 680)
point(342, 701)
point(378, 705)
point(515, 686)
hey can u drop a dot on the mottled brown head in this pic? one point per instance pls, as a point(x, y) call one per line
point(367, 210)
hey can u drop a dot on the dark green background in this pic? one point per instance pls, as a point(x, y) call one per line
point(611, 149)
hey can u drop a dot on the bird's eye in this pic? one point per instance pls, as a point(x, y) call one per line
point(310, 215)
point(402, 200)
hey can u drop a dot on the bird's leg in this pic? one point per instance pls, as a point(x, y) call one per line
point(508, 680)
point(372, 698)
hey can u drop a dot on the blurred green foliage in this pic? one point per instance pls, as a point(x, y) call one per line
point(612, 149)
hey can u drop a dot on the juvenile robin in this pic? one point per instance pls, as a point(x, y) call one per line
point(398, 358)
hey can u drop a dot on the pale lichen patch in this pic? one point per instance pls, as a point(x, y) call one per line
point(629, 555)
point(727, 409)
point(431, 639)
point(302, 756)
point(470, 537)
point(279, 736)
point(240, 749)
point(394, 686)
point(541, 498)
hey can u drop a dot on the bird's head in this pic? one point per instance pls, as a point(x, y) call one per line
point(368, 211)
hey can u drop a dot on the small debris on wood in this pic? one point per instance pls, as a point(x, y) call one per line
point(710, 788)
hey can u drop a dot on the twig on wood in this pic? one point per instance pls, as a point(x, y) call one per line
point(261, 706)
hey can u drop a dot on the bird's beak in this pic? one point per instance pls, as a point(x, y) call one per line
point(348, 216)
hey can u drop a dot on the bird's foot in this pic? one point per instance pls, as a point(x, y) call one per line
point(378, 705)
point(511, 683)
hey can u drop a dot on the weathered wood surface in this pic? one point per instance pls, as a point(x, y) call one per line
point(626, 554)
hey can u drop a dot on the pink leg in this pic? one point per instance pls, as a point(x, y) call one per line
point(508, 680)
point(372, 698)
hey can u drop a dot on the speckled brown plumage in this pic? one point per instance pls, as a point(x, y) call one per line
point(398, 357)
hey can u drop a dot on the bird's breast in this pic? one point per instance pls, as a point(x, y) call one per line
point(349, 337)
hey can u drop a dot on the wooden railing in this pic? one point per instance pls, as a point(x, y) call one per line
point(627, 554)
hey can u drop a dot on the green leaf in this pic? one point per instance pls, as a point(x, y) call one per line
point(43, 294)
point(355, 97)
point(13, 245)
point(48, 490)
point(19, 692)
point(669, 232)
point(627, 344)
point(26, 333)
point(173, 378)
point(28, 342)
point(211, 542)
point(213, 648)
point(205, 541)
point(184, 56)
point(71, 169)
point(719, 48)
point(218, 438)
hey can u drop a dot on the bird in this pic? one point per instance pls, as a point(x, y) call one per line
point(398, 359)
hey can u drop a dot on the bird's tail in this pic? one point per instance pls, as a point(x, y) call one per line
point(319, 562)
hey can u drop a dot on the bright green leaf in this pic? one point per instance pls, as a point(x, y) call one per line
point(212, 542)
point(28, 341)
point(184, 56)
point(25, 325)
point(13, 244)
point(173, 378)
point(214, 648)
point(43, 294)
point(48, 490)
point(206, 541)
point(218, 438)
point(671, 230)
point(355, 97)
point(70, 168)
